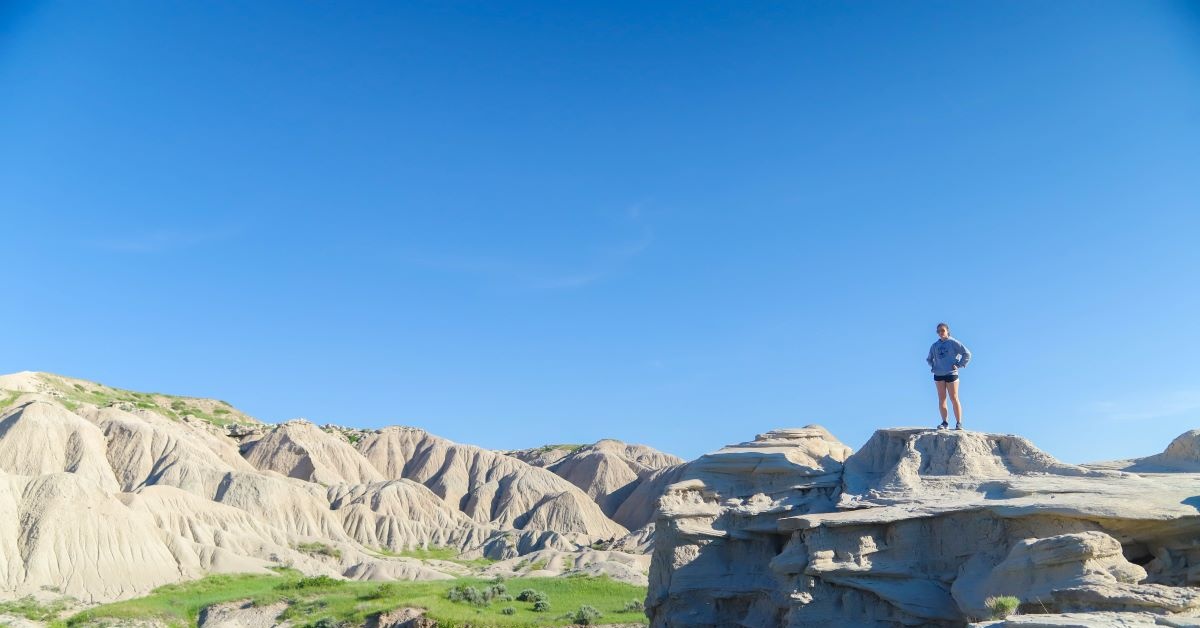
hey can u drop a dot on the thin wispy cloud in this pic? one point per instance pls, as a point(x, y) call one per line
point(161, 240)
point(605, 260)
point(1159, 406)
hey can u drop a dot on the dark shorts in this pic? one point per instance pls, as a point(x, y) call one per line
point(953, 377)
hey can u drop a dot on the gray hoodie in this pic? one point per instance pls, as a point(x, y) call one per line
point(947, 356)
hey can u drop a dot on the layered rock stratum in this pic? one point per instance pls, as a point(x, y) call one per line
point(107, 493)
point(925, 528)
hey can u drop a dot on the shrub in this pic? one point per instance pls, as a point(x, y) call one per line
point(508, 610)
point(1002, 606)
point(384, 590)
point(318, 548)
point(469, 595)
point(635, 605)
point(586, 615)
point(311, 583)
point(498, 588)
point(504, 598)
point(541, 606)
point(526, 595)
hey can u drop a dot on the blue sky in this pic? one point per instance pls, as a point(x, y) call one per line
point(679, 224)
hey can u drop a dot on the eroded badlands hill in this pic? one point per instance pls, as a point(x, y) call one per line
point(609, 471)
point(919, 528)
point(107, 493)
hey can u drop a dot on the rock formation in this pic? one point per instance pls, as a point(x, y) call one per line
point(610, 470)
point(920, 528)
point(299, 449)
point(488, 486)
point(107, 493)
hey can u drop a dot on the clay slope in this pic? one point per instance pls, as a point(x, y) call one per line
point(107, 493)
point(65, 530)
point(610, 470)
point(38, 437)
point(301, 450)
point(488, 486)
point(921, 527)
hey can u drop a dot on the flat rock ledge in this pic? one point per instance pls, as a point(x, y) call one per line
point(921, 528)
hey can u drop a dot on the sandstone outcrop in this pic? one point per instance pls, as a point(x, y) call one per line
point(919, 528)
point(1181, 456)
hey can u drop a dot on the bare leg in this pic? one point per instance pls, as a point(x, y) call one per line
point(941, 389)
point(952, 389)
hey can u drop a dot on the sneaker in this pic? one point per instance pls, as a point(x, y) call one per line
point(944, 425)
point(958, 427)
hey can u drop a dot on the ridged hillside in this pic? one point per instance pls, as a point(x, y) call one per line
point(107, 493)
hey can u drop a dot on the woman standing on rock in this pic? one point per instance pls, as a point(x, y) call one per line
point(946, 356)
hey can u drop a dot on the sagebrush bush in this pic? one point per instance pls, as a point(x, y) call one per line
point(470, 595)
point(508, 610)
point(541, 606)
point(586, 615)
point(635, 605)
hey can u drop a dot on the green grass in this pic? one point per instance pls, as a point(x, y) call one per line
point(32, 610)
point(428, 553)
point(170, 406)
point(1002, 606)
point(10, 399)
point(180, 604)
point(354, 602)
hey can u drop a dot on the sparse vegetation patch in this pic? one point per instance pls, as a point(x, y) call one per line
point(31, 609)
point(1002, 606)
point(320, 549)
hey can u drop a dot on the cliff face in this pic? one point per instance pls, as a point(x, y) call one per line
point(920, 528)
